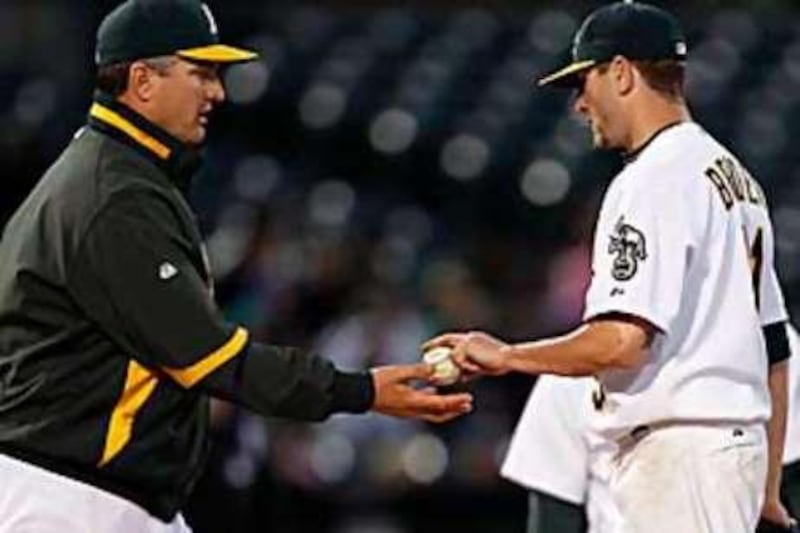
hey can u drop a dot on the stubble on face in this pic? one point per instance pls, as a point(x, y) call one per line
point(598, 138)
point(593, 107)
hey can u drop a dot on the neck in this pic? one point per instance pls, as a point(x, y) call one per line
point(125, 123)
point(648, 118)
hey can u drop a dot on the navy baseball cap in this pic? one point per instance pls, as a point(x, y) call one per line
point(634, 30)
point(139, 29)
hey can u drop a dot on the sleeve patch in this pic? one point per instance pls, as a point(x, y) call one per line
point(629, 247)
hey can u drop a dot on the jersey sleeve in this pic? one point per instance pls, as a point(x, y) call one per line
point(642, 245)
point(548, 451)
point(137, 277)
point(772, 307)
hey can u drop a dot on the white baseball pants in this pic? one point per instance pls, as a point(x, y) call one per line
point(691, 479)
point(34, 500)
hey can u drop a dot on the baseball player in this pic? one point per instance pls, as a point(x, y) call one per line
point(110, 341)
point(566, 466)
point(683, 282)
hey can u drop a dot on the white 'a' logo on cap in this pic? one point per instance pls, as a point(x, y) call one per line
point(212, 24)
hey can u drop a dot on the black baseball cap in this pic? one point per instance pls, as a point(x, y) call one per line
point(634, 30)
point(138, 29)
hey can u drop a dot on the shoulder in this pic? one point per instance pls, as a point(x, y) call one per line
point(132, 216)
point(672, 168)
point(138, 204)
point(121, 168)
point(124, 180)
point(95, 168)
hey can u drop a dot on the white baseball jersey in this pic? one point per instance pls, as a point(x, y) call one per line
point(684, 241)
point(554, 452)
point(791, 450)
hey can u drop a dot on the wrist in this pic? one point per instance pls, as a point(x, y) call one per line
point(771, 496)
point(508, 357)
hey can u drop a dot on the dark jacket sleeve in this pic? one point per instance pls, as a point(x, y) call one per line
point(288, 390)
point(140, 277)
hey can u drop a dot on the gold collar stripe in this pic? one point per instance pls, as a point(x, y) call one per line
point(116, 120)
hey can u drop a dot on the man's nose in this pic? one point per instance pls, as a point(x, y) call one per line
point(579, 103)
point(216, 90)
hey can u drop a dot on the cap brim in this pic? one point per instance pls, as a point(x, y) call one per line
point(567, 76)
point(218, 53)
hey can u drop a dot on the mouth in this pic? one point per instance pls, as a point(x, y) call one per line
point(202, 116)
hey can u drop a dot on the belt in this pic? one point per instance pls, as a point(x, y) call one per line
point(639, 432)
point(631, 438)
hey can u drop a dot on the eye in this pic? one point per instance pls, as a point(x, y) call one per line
point(580, 86)
point(206, 73)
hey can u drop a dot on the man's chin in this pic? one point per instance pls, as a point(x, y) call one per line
point(198, 137)
point(601, 142)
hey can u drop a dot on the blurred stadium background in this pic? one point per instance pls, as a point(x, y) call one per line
point(388, 171)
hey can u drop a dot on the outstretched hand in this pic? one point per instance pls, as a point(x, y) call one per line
point(476, 353)
point(395, 395)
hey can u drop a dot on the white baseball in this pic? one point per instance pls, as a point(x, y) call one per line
point(445, 370)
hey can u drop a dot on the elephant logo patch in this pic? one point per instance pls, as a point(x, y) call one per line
point(629, 247)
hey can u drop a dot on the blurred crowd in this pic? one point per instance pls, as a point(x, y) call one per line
point(384, 174)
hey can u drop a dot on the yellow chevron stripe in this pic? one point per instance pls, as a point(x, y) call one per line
point(189, 376)
point(139, 386)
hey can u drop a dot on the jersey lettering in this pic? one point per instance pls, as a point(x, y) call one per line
point(719, 184)
point(733, 183)
point(755, 256)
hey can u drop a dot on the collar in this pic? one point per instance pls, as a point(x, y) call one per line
point(630, 157)
point(178, 160)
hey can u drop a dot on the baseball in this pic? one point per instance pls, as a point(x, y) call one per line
point(445, 370)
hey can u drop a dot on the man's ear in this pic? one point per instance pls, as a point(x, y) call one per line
point(141, 81)
point(623, 73)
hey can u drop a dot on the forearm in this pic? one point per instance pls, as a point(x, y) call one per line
point(592, 348)
point(287, 382)
point(776, 427)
